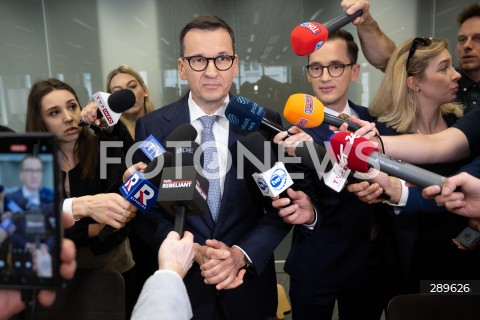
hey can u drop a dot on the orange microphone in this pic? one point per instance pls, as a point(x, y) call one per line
point(306, 111)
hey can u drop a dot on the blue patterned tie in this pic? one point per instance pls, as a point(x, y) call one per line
point(210, 167)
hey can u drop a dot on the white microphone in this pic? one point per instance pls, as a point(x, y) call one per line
point(273, 181)
point(111, 106)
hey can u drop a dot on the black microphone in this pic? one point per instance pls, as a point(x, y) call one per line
point(111, 106)
point(337, 122)
point(140, 189)
point(183, 190)
point(313, 156)
point(184, 132)
point(342, 20)
point(250, 116)
point(185, 194)
point(273, 179)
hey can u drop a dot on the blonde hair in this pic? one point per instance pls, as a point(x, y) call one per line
point(147, 102)
point(395, 103)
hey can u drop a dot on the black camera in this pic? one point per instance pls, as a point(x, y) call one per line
point(469, 238)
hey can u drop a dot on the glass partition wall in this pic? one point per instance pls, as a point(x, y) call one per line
point(81, 41)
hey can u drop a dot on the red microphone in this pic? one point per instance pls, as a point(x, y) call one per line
point(310, 36)
point(359, 154)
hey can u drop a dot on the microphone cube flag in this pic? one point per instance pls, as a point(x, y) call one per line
point(189, 189)
point(139, 191)
point(101, 98)
point(308, 37)
point(273, 181)
point(304, 111)
point(352, 150)
point(152, 148)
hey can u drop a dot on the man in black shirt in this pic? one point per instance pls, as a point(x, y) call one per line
point(377, 47)
point(468, 52)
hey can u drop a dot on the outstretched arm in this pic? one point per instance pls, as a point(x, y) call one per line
point(445, 146)
point(464, 203)
point(376, 46)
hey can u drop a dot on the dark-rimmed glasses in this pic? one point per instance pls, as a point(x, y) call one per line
point(417, 41)
point(199, 63)
point(335, 70)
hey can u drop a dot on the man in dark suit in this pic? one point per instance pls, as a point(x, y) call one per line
point(31, 194)
point(29, 208)
point(240, 234)
point(338, 261)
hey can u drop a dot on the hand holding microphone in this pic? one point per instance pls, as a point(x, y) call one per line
point(359, 154)
point(306, 111)
point(310, 36)
point(351, 8)
point(274, 181)
point(107, 108)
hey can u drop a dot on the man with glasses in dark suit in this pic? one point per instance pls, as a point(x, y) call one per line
point(233, 276)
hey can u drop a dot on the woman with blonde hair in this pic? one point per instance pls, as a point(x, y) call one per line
point(122, 77)
point(417, 95)
point(125, 77)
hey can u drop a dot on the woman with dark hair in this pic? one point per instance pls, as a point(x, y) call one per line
point(91, 194)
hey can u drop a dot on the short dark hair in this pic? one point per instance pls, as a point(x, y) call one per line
point(29, 156)
point(206, 23)
point(468, 12)
point(352, 47)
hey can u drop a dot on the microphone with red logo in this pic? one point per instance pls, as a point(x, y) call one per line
point(111, 106)
point(306, 111)
point(359, 154)
point(141, 189)
point(183, 190)
point(310, 36)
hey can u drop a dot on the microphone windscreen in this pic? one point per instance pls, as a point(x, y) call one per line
point(121, 100)
point(353, 149)
point(167, 158)
point(187, 155)
point(244, 113)
point(1, 188)
point(304, 152)
point(308, 37)
point(255, 143)
point(304, 111)
point(184, 132)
